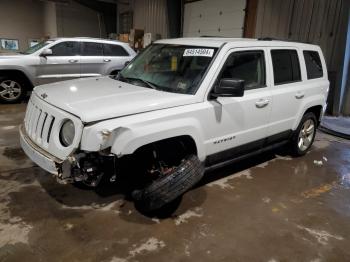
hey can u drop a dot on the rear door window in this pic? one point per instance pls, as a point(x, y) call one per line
point(114, 50)
point(286, 66)
point(69, 48)
point(313, 64)
point(92, 49)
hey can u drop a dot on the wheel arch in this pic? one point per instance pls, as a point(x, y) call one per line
point(314, 105)
point(186, 140)
point(17, 73)
point(114, 71)
point(317, 110)
point(127, 141)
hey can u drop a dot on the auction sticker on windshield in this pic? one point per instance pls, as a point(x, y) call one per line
point(199, 52)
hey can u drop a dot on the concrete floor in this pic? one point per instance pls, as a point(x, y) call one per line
point(270, 208)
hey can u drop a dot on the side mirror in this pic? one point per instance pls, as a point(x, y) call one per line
point(229, 88)
point(46, 52)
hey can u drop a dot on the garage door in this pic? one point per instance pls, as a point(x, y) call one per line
point(214, 18)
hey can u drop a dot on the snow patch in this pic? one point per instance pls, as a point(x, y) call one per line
point(151, 245)
point(98, 207)
point(322, 236)
point(286, 158)
point(14, 233)
point(118, 259)
point(183, 218)
point(224, 182)
point(263, 165)
point(266, 200)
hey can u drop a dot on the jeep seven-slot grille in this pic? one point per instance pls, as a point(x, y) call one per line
point(38, 124)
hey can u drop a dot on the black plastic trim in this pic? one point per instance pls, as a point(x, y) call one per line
point(252, 148)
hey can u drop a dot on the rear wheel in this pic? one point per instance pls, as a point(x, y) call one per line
point(304, 135)
point(11, 90)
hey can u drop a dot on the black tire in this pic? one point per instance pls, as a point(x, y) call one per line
point(295, 148)
point(20, 84)
point(114, 73)
point(164, 190)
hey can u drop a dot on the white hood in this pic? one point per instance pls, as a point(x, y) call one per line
point(95, 99)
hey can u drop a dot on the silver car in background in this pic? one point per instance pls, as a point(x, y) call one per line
point(57, 60)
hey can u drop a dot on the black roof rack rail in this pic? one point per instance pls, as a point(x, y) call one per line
point(216, 36)
point(268, 39)
point(285, 40)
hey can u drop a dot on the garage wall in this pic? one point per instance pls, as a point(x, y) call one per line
point(321, 22)
point(21, 20)
point(74, 19)
point(151, 16)
point(214, 18)
point(312, 21)
point(50, 21)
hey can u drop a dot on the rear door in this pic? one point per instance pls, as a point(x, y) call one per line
point(115, 57)
point(92, 63)
point(63, 64)
point(288, 90)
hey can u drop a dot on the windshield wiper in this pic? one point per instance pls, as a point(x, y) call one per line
point(128, 79)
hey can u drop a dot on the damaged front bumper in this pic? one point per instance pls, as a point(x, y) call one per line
point(80, 167)
point(39, 156)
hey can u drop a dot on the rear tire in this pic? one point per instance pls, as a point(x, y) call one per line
point(304, 135)
point(170, 187)
point(12, 89)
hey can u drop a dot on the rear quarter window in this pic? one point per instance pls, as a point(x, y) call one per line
point(313, 64)
point(114, 50)
point(286, 66)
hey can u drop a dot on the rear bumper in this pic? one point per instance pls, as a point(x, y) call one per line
point(40, 157)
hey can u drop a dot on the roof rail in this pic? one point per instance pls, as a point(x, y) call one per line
point(267, 39)
point(215, 36)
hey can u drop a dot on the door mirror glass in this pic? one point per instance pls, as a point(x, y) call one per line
point(46, 52)
point(229, 87)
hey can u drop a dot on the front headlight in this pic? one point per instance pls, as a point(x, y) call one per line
point(67, 133)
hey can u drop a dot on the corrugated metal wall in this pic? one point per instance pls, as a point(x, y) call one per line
point(151, 16)
point(313, 21)
point(321, 22)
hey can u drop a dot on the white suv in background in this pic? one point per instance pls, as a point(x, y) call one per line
point(60, 59)
point(179, 107)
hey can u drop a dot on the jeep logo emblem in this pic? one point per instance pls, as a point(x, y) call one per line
point(43, 95)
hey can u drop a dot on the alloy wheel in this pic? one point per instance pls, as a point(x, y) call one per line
point(306, 135)
point(10, 90)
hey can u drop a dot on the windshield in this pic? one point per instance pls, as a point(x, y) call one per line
point(36, 47)
point(171, 68)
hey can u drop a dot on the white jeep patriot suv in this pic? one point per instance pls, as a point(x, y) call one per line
point(179, 107)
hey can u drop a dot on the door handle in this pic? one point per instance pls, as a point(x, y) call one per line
point(262, 103)
point(299, 95)
point(106, 60)
point(73, 61)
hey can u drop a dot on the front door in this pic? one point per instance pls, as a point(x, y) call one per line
point(238, 125)
point(63, 64)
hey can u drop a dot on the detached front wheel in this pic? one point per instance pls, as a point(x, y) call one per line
point(169, 185)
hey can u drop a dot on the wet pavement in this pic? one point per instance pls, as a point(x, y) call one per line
point(269, 208)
